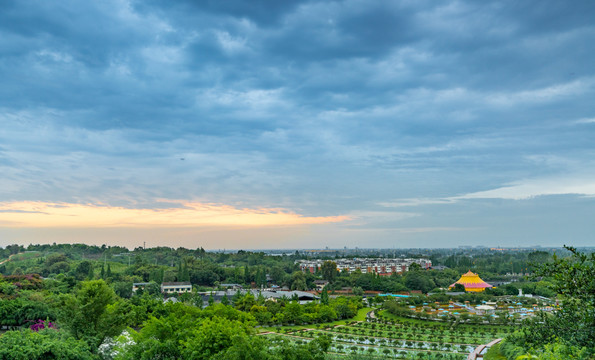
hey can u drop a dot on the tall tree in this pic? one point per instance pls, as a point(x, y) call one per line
point(83, 270)
point(298, 281)
point(329, 270)
point(324, 297)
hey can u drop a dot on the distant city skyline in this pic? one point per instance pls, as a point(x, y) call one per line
point(297, 124)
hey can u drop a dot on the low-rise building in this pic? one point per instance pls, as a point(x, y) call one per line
point(320, 284)
point(176, 287)
point(231, 286)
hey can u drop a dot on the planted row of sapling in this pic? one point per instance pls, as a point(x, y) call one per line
point(390, 336)
point(384, 352)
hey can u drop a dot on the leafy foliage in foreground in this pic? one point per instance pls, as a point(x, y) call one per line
point(551, 351)
point(569, 333)
point(217, 332)
point(94, 313)
point(42, 345)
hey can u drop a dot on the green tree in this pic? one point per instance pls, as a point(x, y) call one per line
point(225, 300)
point(212, 337)
point(298, 281)
point(293, 313)
point(358, 291)
point(329, 270)
point(160, 338)
point(245, 303)
point(123, 289)
point(20, 311)
point(42, 345)
point(313, 350)
point(344, 308)
point(93, 314)
point(574, 323)
point(83, 269)
point(246, 348)
point(153, 289)
point(324, 297)
point(59, 267)
point(458, 288)
point(55, 258)
point(418, 280)
point(327, 313)
point(277, 274)
point(183, 272)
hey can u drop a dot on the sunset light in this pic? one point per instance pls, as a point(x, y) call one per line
point(191, 214)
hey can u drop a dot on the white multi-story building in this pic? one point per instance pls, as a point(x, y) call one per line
point(176, 287)
point(377, 266)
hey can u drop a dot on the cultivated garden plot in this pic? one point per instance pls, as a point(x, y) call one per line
point(401, 338)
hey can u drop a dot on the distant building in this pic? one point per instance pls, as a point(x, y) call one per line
point(302, 296)
point(380, 266)
point(176, 287)
point(439, 267)
point(471, 282)
point(141, 285)
point(320, 284)
point(232, 286)
point(484, 309)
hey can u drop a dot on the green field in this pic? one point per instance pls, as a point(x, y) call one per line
point(391, 337)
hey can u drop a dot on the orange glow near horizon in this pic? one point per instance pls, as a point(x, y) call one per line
point(189, 214)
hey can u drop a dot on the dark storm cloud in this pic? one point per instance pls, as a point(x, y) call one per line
point(263, 12)
point(322, 106)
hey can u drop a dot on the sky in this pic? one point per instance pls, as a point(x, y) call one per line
point(297, 124)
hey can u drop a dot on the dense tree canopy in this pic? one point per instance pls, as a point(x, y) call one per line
point(44, 345)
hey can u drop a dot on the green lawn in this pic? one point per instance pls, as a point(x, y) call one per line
point(361, 315)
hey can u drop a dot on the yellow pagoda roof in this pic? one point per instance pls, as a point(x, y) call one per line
point(472, 282)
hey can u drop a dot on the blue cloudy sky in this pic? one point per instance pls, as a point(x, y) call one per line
point(282, 124)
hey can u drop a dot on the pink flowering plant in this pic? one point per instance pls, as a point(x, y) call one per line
point(41, 324)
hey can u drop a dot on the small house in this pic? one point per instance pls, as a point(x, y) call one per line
point(320, 284)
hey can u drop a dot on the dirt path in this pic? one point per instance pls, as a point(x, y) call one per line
point(7, 260)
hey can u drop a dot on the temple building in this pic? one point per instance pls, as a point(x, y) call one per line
point(471, 282)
